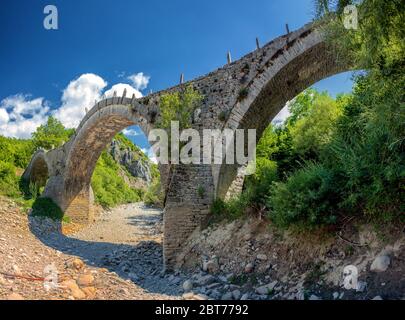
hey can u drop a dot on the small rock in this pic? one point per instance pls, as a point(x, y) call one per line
point(85, 280)
point(249, 268)
point(211, 266)
point(361, 286)
point(314, 297)
point(78, 294)
point(77, 264)
point(266, 289)
point(227, 296)
point(124, 291)
point(335, 295)
point(188, 296)
point(200, 297)
point(70, 284)
point(15, 296)
point(205, 280)
point(213, 285)
point(245, 296)
point(187, 285)
point(377, 298)
point(90, 292)
point(262, 257)
point(247, 237)
point(380, 264)
point(236, 294)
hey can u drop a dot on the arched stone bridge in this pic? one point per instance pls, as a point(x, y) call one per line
point(268, 78)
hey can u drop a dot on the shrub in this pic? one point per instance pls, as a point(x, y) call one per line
point(243, 93)
point(109, 187)
point(154, 194)
point(307, 198)
point(8, 180)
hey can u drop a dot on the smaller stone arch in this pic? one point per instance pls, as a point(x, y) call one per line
point(38, 170)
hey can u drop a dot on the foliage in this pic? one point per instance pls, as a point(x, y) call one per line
point(154, 195)
point(51, 135)
point(314, 129)
point(8, 179)
point(344, 155)
point(109, 187)
point(307, 197)
point(179, 106)
point(379, 40)
point(16, 151)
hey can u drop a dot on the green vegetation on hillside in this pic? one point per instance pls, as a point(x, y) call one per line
point(179, 106)
point(110, 188)
point(344, 156)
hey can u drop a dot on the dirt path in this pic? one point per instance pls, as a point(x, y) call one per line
point(118, 257)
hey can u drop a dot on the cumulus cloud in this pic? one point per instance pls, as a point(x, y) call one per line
point(119, 89)
point(139, 81)
point(131, 132)
point(150, 154)
point(80, 94)
point(4, 117)
point(20, 115)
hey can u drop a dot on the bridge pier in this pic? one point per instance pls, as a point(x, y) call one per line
point(81, 209)
point(187, 207)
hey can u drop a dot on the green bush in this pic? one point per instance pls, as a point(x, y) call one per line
point(307, 198)
point(109, 187)
point(8, 180)
point(154, 195)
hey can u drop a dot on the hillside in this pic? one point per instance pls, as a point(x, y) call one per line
point(123, 173)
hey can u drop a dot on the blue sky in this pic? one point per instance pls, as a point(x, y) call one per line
point(102, 43)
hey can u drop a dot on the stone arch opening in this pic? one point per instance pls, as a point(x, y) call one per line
point(38, 172)
point(92, 137)
point(296, 74)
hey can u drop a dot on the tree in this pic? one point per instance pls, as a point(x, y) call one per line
point(51, 135)
point(312, 131)
point(179, 106)
point(378, 42)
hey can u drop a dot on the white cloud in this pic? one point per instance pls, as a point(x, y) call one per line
point(282, 116)
point(139, 80)
point(80, 94)
point(150, 154)
point(20, 116)
point(119, 89)
point(4, 117)
point(131, 132)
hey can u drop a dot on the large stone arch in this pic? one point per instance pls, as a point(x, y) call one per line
point(92, 136)
point(298, 65)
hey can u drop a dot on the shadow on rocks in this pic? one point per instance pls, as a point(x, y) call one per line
point(141, 263)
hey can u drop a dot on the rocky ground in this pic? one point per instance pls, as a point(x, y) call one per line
point(120, 257)
point(31, 249)
point(266, 263)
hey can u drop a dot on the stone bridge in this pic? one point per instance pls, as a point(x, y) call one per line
point(245, 94)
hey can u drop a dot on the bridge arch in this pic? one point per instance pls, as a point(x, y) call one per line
point(92, 136)
point(38, 169)
point(298, 65)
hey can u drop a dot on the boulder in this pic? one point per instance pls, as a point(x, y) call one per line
point(380, 263)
